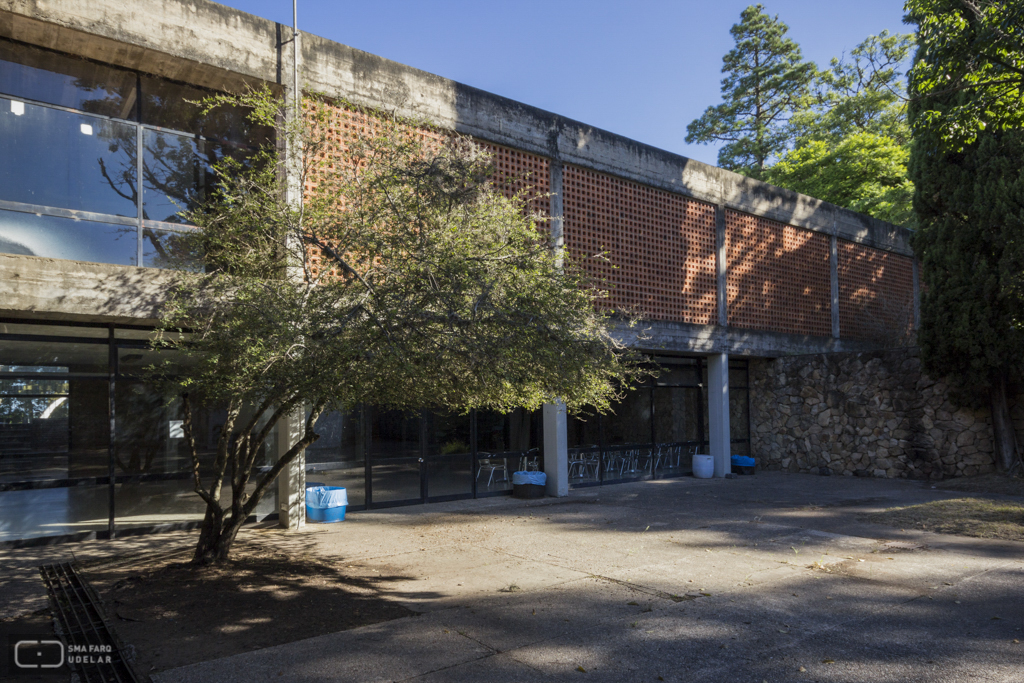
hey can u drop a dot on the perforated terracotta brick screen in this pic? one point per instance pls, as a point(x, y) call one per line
point(660, 246)
point(515, 171)
point(876, 293)
point(778, 276)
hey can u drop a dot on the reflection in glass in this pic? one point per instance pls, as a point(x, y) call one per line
point(394, 434)
point(71, 161)
point(449, 463)
point(36, 74)
point(178, 172)
point(169, 249)
point(629, 451)
point(394, 483)
point(506, 443)
point(450, 475)
point(739, 418)
point(65, 238)
point(52, 429)
point(172, 105)
point(340, 439)
point(29, 234)
point(54, 330)
point(43, 512)
point(78, 358)
point(149, 438)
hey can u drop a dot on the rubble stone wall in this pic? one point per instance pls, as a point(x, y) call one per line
point(866, 414)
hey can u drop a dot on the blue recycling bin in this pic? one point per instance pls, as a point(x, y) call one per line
point(326, 503)
point(743, 464)
point(528, 484)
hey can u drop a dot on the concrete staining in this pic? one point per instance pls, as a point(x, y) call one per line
point(682, 580)
point(209, 44)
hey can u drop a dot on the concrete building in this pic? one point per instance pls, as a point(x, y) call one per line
point(98, 150)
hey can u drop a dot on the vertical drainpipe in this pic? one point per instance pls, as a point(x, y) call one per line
point(555, 443)
point(291, 483)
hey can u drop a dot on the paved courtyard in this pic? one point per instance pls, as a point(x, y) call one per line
point(768, 578)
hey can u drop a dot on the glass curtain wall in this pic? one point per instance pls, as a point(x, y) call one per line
point(86, 444)
point(96, 162)
point(657, 427)
point(391, 457)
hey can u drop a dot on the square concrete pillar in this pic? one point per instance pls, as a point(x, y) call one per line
point(556, 449)
point(291, 483)
point(718, 413)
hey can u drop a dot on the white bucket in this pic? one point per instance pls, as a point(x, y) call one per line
point(703, 466)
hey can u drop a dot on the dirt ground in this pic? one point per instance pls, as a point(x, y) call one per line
point(173, 614)
point(986, 483)
point(977, 517)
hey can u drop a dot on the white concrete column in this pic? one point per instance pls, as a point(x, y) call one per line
point(718, 413)
point(291, 483)
point(556, 449)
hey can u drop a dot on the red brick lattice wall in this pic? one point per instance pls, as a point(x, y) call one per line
point(778, 276)
point(876, 293)
point(515, 171)
point(660, 246)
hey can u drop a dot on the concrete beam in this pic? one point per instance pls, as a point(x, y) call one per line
point(833, 267)
point(55, 289)
point(721, 267)
point(200, 41)
point(672, 337)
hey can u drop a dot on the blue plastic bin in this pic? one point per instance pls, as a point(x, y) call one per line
point(528, 484)
point(326, 503)
point(743, 464)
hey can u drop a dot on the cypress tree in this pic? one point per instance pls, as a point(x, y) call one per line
point(970, 208)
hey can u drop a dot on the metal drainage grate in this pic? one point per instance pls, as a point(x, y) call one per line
point(93, 651)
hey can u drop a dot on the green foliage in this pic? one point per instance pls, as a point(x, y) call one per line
point(860, 94)
point(404, 280)
point(766, 79)
point(852, 142)
point(865, 172)
point(970, 205)
point(975, 47)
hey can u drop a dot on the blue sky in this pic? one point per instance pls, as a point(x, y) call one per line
point(639, 68)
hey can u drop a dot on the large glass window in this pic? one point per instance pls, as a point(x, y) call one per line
point(59, 443)
point(31, 234)
point(66, 160)
point(74, 136)
point(35, 74)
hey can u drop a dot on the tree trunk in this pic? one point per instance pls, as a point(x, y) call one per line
point(1002, 426)
point(216, 537)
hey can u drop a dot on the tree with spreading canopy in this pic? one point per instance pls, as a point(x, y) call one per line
point(766, 80)
point(851, 142)
point(969, 198)
point(404, 280)
point(973, 47)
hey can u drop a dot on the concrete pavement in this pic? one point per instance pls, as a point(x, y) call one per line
point(766, 578)
point(769, 578)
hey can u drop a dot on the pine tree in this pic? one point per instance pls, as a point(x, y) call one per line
point(766, 78)
point(970, 207)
